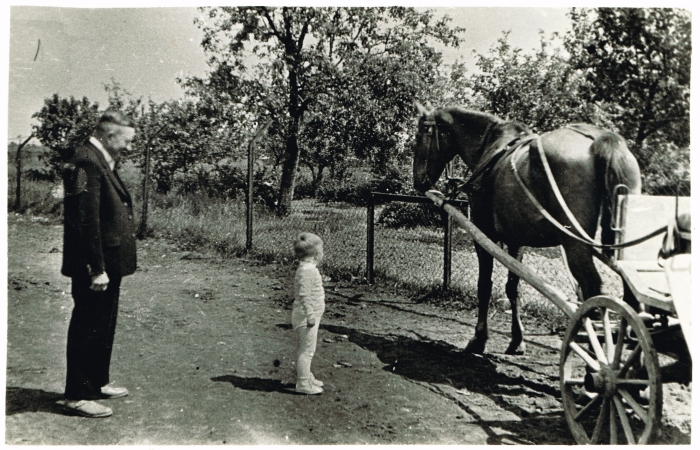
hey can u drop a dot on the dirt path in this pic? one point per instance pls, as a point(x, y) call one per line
point(203, 345)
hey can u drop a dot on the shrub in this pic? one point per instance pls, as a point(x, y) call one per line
point(357, 190)
point(409, 215)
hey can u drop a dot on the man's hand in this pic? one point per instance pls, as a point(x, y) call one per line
point(99, 282)
point(310, 322)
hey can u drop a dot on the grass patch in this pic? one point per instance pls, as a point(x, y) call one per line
point(410, 259)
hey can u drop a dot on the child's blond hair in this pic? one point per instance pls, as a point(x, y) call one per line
point(306, 245)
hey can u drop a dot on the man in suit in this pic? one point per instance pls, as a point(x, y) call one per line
point(99, 248)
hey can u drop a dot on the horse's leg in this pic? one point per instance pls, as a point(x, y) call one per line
point(580, 259)
point(477, 344)
point(517, 345)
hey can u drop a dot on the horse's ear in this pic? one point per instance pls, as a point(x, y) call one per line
point(421, 109)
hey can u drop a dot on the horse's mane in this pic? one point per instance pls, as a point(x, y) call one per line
point(464, 113)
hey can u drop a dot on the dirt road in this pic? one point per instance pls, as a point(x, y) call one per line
point(203, 344)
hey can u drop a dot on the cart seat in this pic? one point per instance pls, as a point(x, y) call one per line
point(639, 264)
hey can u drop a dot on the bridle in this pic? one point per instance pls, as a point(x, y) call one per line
point(432, 124)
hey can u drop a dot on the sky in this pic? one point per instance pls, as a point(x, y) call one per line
point(68, 49)
point(76, 51)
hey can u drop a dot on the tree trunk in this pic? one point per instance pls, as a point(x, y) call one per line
point(289, 171)
point(316, 182)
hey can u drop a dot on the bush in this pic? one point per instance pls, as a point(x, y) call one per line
point(409, 215)
point(37, 197)
point(357, 191)
point(667, 170)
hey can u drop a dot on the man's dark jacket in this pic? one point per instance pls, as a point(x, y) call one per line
point(99, 231)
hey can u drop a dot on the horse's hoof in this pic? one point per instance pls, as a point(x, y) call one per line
point(477, 347)
point(516, 349)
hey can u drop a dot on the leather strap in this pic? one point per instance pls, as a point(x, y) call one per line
point(556, 223)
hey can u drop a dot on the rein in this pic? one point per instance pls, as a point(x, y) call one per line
point(584, 236)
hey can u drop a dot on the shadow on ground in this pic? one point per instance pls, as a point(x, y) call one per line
point(438, 363)
point(21, 400)
point(257, 384)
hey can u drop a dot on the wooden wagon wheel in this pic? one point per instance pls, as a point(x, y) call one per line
point(609, 374)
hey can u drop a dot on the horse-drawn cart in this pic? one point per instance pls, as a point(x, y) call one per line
point(615, 358)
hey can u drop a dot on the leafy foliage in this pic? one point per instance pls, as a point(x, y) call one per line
point(636, 63)
point(336, 81)
point(539, 89)
point(64, 123)
point(409, 215)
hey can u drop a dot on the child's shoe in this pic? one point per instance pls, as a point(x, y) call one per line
point(307, 387)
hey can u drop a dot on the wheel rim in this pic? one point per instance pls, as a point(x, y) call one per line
point(611, 387)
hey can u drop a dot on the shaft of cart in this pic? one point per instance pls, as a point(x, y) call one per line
point(531, 277)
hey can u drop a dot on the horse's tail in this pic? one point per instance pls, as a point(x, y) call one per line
point(614, 165)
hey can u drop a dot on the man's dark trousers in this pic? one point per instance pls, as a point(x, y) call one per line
point(90, 337)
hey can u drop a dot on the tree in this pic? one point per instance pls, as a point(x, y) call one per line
point(540, 89)
point(297, 58)
point(64, 123)
point(636, 63)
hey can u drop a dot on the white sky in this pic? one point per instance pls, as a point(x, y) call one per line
point(145, 49)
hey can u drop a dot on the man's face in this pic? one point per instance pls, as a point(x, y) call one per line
point(118, 140)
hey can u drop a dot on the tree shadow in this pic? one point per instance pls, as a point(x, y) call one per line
point(21, 400)
point(258, 384)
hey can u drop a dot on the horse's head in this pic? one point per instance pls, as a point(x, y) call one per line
point(431, 152)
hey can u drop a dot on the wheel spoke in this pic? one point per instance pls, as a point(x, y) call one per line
point(574, 382)
point(583, 354)
point(621, 334)
point(613, 427)
point(635, 353)
point(586, 409)
point(608, 335)
point(595, 343)
point(595, 437)
point(633, 403)
point(622, 414)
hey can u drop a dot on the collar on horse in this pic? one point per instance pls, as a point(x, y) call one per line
point(489, 159)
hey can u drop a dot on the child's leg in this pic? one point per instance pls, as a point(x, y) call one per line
point(307, 348)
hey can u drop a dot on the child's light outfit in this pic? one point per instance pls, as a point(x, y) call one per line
point(309, 302)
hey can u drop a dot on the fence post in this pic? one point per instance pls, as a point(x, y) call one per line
point(18, 162)
point(447, 263)
point(370, 240)
point(249, 199)
point(142, 231)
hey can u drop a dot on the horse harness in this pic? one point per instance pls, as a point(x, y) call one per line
point(515, 148)
point(521, 147)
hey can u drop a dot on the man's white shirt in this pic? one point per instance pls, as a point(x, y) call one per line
point(96, 142)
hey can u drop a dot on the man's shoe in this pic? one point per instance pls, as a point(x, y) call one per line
point(113, 392)
point(86, 408)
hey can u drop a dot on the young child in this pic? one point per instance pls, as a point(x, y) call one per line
point(309, 304)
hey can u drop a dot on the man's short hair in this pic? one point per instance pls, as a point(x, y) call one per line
point(113, 117)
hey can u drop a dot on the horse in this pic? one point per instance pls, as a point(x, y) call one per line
point(511, 194)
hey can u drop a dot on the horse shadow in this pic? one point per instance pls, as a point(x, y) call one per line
point(20, 400)
point(438, 363)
